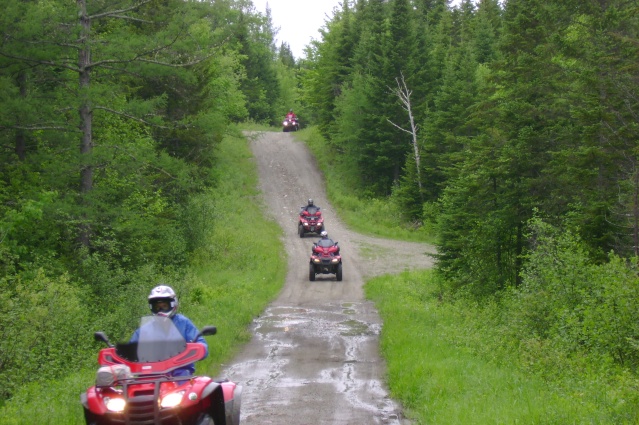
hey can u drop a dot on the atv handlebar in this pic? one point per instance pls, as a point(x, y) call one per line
point(101, 336)
point(206, 330)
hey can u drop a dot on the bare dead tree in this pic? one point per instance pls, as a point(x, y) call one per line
point(403, 94)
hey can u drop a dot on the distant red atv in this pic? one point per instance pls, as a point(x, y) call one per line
point(290, 124)
point(325, 259)
point(310, 221)
point(135, 385)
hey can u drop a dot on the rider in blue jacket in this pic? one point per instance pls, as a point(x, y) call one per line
point(163, 302)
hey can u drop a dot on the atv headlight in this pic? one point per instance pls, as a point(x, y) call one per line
point(114, 404)
point(172, 400)
point(334, 260)
point(316, 260)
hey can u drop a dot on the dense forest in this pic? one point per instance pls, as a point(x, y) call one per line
point(110, 114)
point(510, 128)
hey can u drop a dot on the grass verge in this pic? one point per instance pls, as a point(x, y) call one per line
point(445, 366)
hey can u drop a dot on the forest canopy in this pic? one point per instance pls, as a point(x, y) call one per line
point(512, 129)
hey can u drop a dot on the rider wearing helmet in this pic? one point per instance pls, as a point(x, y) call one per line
point(291, 115)
point(163, 302)
point(325, 242)
point(309, 204)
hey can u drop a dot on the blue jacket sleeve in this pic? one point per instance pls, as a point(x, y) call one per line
point(189, 331)
point(136, 336)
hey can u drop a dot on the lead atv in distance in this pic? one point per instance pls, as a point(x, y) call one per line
point(290, 125)
point(325, 259)
point(135, 384)
point(310, 221)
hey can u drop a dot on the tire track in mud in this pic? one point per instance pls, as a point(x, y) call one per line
point(314, 355)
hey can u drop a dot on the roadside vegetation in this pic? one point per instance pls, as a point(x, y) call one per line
point(117, 138)
point(230, 279)
point(548, 351)
point(506, 131)
point(454, 362)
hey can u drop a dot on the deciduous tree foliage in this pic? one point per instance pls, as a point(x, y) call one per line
point(110, 113)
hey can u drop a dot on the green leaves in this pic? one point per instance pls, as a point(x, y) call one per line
point(574, 304)
point(107, 131)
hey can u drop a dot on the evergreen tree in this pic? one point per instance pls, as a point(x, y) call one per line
point(377, 148)
point(487, 31)
point(127, 49)
point(598, 48)
point(253, 38)
point(368, 148)
point(286, 55)
point(323, 80)
point(506, 163)
point(399, 48)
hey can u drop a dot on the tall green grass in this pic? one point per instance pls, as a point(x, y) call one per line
point(447, 366)
point(237, 269)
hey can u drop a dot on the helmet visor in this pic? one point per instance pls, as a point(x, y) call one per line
point(161, 305)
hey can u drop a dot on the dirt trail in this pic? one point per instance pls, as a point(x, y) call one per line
point(314, 356)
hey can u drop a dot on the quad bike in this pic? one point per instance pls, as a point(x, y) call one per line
point(310, 221)
point(135, 384)
point(325, 259)
point(290, 124)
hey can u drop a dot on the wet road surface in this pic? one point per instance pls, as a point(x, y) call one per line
point(314, 355)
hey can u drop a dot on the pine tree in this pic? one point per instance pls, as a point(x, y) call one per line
point(254, 39)
point(595, 167)
point(506, 163)
point(286, 55)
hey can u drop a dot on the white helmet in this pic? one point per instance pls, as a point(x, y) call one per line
point(324, 234)
point(163, 293)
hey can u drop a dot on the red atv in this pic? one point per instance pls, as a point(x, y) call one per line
point(311, 221)
point(290, 124)
point(325, 259)
point(135, 385)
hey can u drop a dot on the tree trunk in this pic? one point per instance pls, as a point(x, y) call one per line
point(404, 94)
point(86, 115)
point(21, 140)
point(635, 214)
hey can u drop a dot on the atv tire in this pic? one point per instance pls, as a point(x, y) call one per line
point(300, 230)
point(237, 403)
point(311, 273)
point(205, 420)
point(338, 273)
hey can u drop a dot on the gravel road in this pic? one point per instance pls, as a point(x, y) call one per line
point(314, 355)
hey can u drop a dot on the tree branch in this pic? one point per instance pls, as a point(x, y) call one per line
point(116, 13)
point(138, 119)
